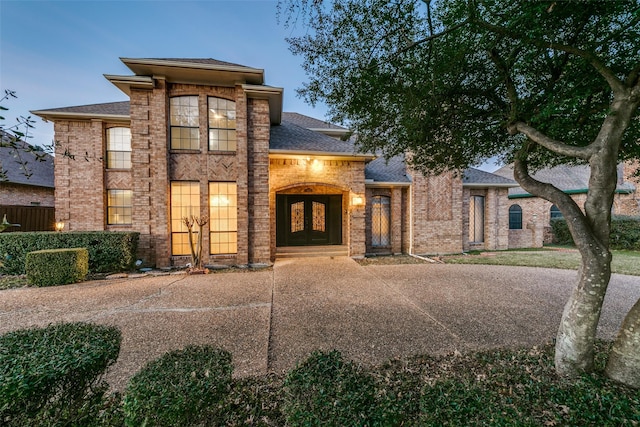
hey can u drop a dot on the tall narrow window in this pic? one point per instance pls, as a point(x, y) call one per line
point(223, 214)
point(119, 148)
point(222, 125)
point(476, 219)
point(380, 221)
point(554, 212)
point(119, 206)
point(185, 132)
point(185, 202)
point(515, 217)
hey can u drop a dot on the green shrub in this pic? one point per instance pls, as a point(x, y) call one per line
point(625, 232)
point(53, 375)
point(326, 390)
point(108, 251)
point(51, 267)
point(180, 388)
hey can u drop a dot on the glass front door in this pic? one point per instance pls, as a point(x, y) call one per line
point(308, 220)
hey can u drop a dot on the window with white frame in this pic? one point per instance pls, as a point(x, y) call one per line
point(222, 124)
point(184, 123)
point(118, 148)
point(119, 207)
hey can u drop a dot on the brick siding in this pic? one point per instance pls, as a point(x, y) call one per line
point(25, 195)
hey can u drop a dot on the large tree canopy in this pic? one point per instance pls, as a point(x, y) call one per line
point(455, 82)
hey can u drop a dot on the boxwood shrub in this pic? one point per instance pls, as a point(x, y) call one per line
point(326, 390)
point(181, 388)
point(51, 267)
point(109, 251)
point(625, 232)
point(53, 375)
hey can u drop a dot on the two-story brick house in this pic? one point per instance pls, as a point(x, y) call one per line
point(208, 138)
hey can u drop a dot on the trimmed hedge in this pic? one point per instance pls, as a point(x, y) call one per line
point(51, 267)
point(326, 390)
point(181, 388)
point(625, 232)
point(109, 251)
point(53, 375)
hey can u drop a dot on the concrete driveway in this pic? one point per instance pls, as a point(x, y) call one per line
point(273, 318)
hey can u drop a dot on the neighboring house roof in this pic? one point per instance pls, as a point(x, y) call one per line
point(290, 138)
point(39, 173)
point(570, 179)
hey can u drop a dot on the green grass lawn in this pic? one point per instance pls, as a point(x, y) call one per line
point(624, 262)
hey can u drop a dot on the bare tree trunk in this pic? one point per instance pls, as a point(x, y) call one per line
point(577, 331)
point(624, 359)
point(590, 231)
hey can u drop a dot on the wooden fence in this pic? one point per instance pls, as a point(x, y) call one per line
point(30, 218)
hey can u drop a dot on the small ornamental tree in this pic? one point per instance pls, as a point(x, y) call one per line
point(195, 241)
point(536, 83)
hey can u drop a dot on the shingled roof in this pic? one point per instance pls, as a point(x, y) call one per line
point(309, 122)
point(290, 137)
point(105, 109)
point(207, 61)
point(39, 173)
point(394, 170)
point(570, 179)
point(387, 170)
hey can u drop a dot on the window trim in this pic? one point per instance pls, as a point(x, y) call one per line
point(107, 150)
point(215, 221)
point(210, 128)
point(195, 211)
point(183, 126)
point(110, 207)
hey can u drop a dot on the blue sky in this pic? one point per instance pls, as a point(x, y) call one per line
point(54, 53)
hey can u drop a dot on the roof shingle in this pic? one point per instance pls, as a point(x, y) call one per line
point(40, 171)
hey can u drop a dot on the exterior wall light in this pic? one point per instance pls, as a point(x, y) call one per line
point(357, 201)
point(59, 225)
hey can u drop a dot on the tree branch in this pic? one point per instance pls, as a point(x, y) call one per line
point(614, 82)
point(512, 92)
point(558, 147)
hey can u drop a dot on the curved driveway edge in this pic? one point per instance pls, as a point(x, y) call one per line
point(273, 318)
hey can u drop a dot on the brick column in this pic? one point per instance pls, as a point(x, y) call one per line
point(258, 181)
point(396, 220)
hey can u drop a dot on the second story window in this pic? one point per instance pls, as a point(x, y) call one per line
point(119, 148)
point(184, 129)
point(222, 125)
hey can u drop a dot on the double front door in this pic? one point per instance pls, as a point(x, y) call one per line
point(308, 220)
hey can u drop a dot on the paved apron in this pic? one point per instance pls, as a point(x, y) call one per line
point(269, 320)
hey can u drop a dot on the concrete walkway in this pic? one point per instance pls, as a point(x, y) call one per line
point(273, 318)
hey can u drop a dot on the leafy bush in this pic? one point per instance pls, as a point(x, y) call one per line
point(180, 388)
point(326, 390)
point(108, 251)
point(52, 267)
point(53, 375)
point(625, 232)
